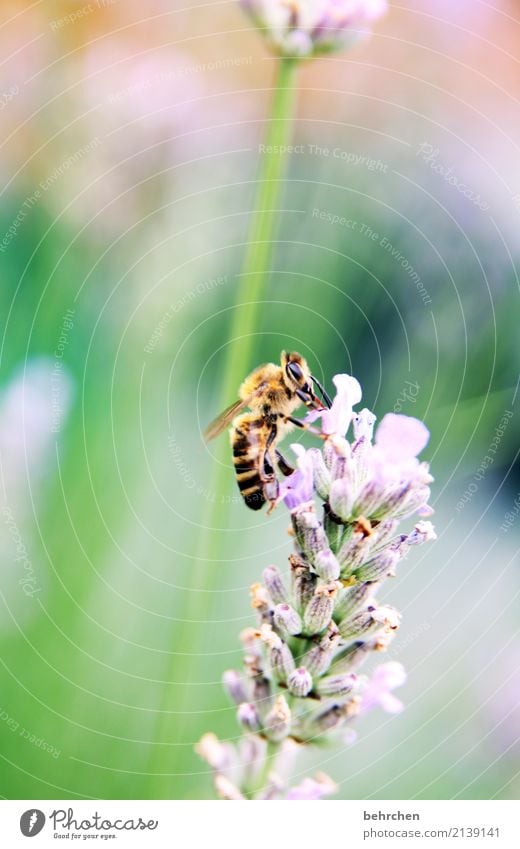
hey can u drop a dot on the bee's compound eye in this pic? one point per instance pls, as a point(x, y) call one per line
point(294, 371)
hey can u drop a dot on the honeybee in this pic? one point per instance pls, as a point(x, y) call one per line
point(272, 393)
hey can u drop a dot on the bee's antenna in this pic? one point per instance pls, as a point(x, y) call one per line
point(324, 393)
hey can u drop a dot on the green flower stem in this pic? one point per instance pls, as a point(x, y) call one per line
point(238, 361)
point(263, 228)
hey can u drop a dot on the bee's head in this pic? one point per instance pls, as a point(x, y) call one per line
point(298, 378)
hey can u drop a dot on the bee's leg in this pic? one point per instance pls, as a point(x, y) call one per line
point(304, 426)
point(267, 461)
point(271, 485)
point(324, 394)
point(283, 465)
point(268, 468)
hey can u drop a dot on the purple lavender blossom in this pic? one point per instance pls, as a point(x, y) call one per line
point(303, 28)
point(378, 692)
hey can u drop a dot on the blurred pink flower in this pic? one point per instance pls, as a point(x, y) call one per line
point(134, 103)
point(302, 28)
point(25, 86)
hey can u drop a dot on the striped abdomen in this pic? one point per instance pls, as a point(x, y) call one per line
point(248, 440)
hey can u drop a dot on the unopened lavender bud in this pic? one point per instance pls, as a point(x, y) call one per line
point(274, 585)
point(301, 521)
point(362, 452)
point(249, 639)
point(336, 685)
point(382, 534)
point(423, 532)
point(341, 458)
point(369, 499)
point(382, 566)
point(334, 528)
point(261, 693)
point(388, 617)
point(322, 478)
point(360, 625)
point(326, 565)
point(227, 790)
point(287, 621)
point(303, 582)
point(369, 621)
point(330, 452)
point(218, 755)
point(248, 718)
point(234, 685)
point(312, 537)
point(333, 716)
point(415, 501)
point(300, 682)
point(280, 656)
point(402, 502)
point(320, 656)
point(353, 656)
point(353, 549)
point(253, 665)
point(278, 721)
point(260, 686)
point(281, 662)
point(260, 602)
point(351, 600)
point(318, 612)
point(341, 499)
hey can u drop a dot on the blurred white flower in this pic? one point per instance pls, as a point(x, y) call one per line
point(33, 407)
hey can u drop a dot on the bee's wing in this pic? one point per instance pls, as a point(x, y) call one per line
point(224, 420)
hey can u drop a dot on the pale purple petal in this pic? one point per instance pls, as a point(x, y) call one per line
point(401, 437)
point(338, 418)
point(364, 425)
point(378, 691)
point(297, 489)
point(312, 789)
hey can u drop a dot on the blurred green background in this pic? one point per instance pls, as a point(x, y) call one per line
point(129, 154)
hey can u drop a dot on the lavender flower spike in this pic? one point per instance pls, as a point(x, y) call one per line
point(301, 683)
point(305, 28)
